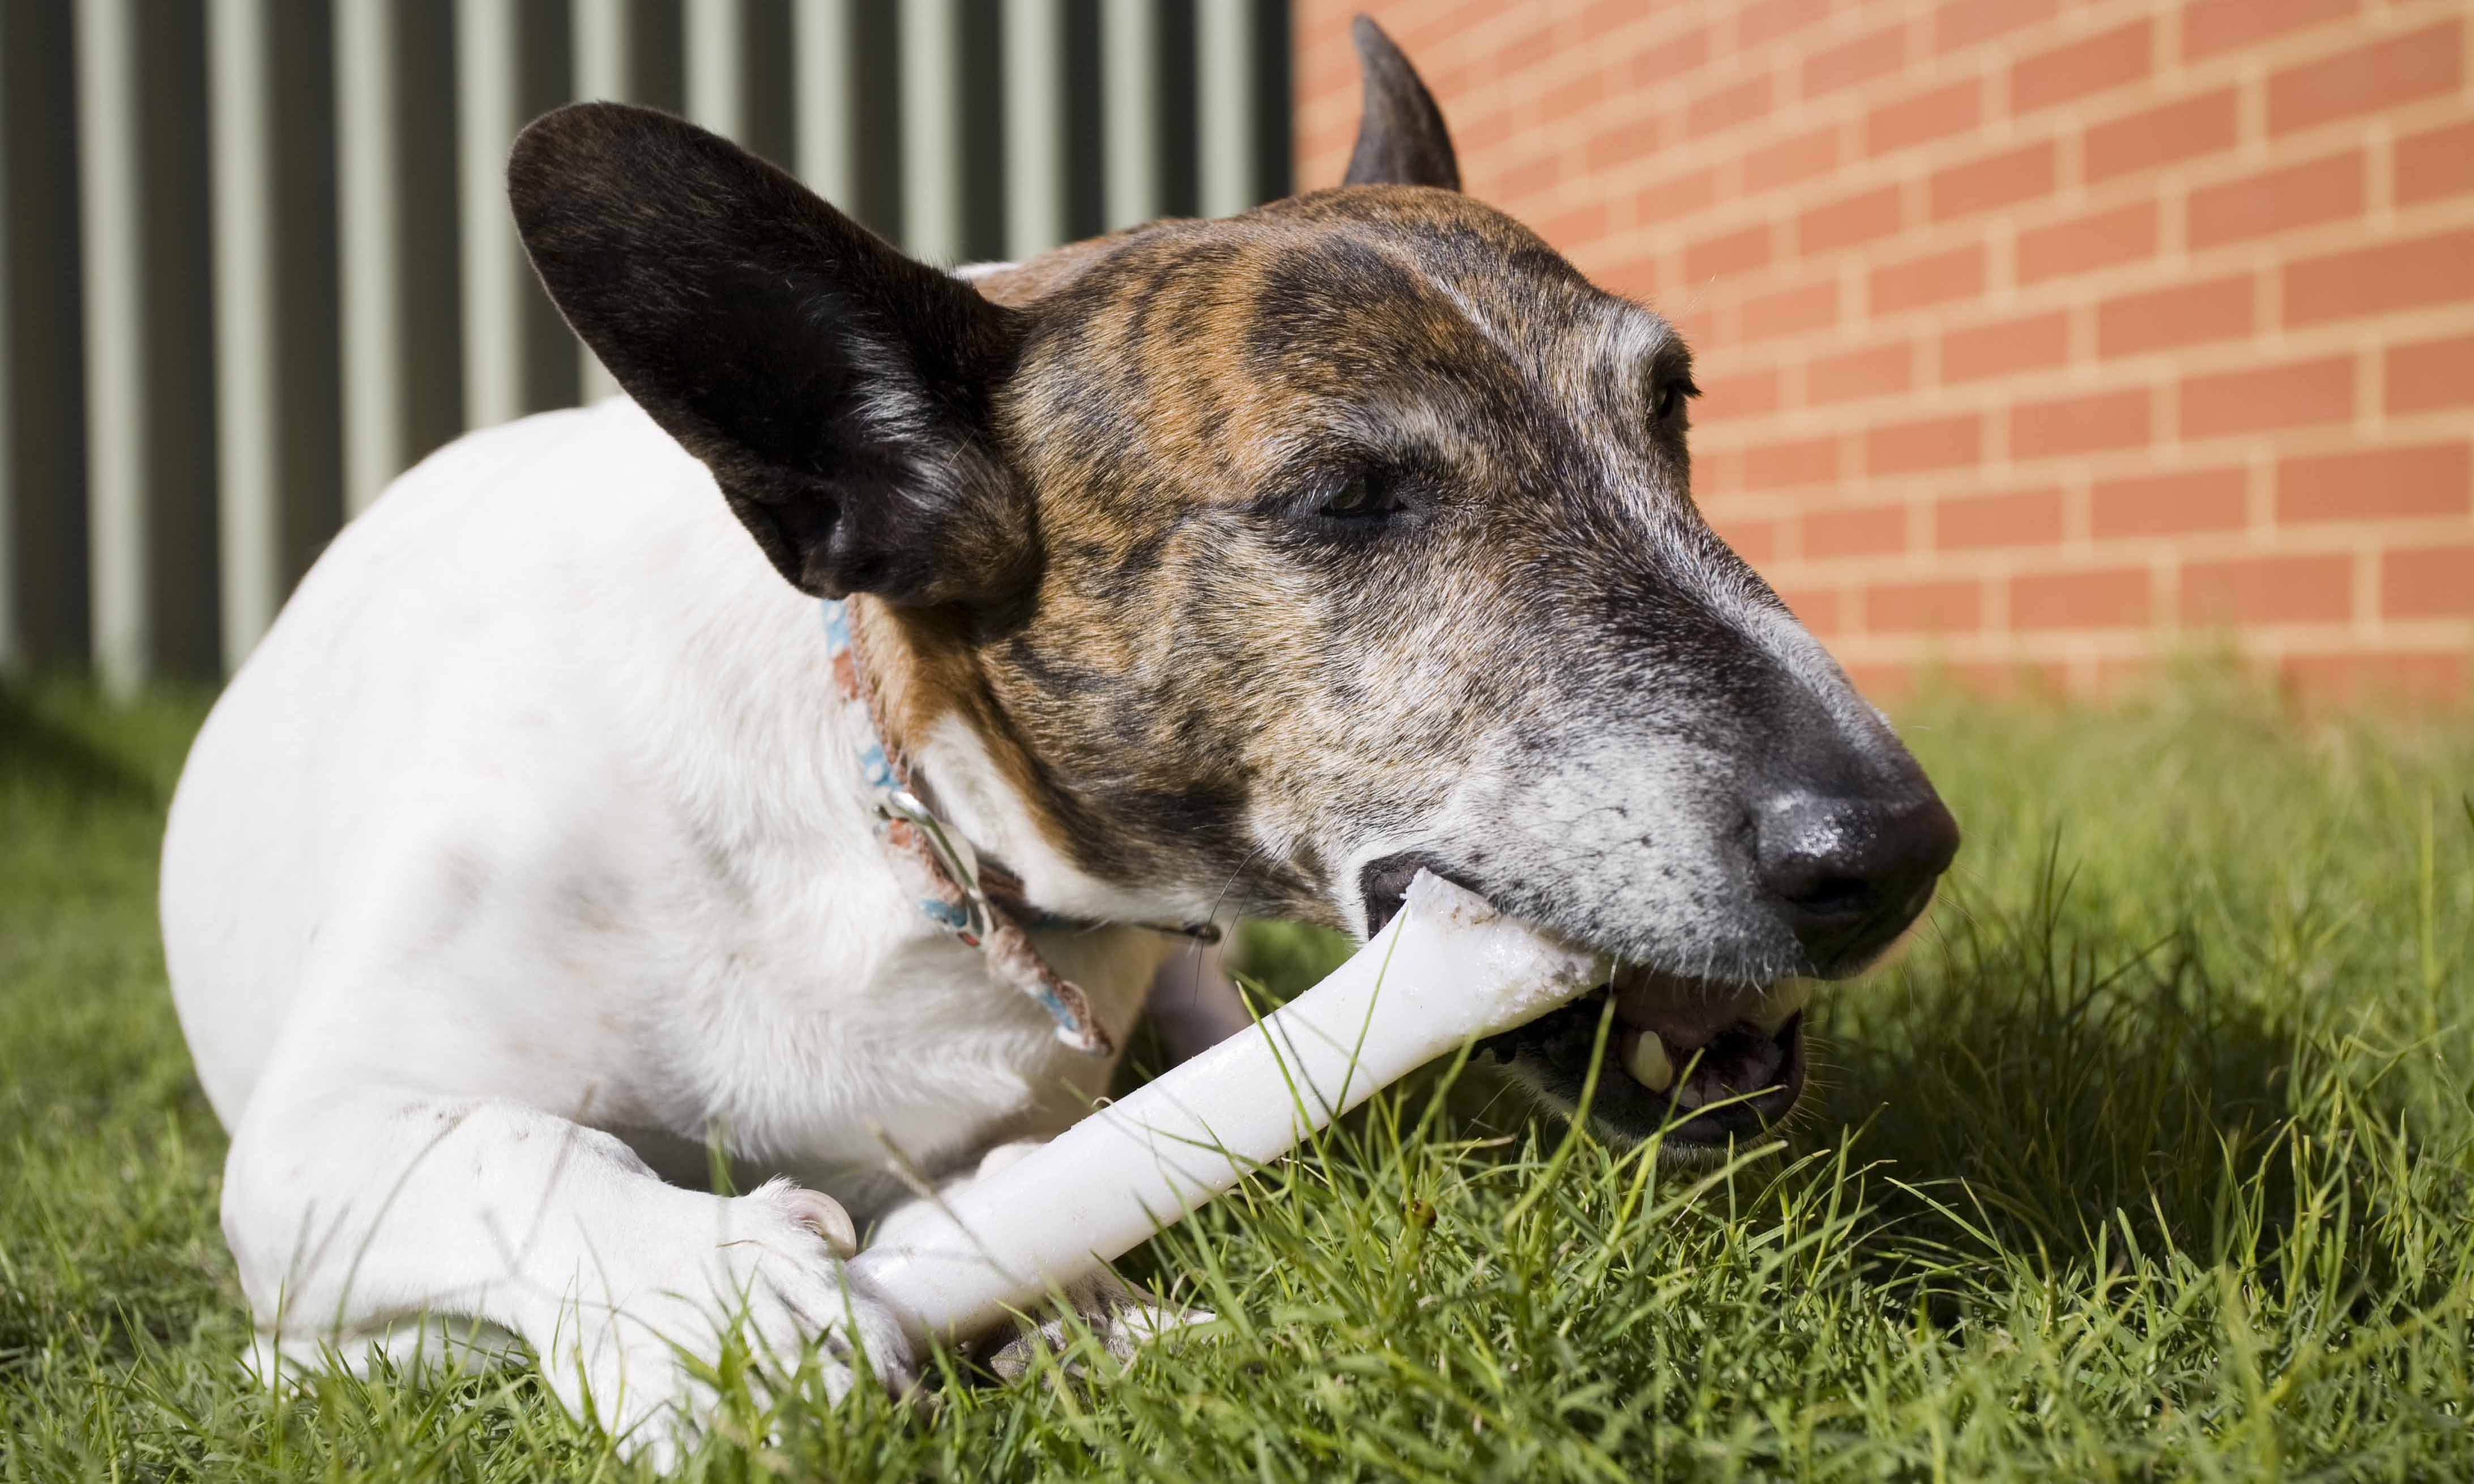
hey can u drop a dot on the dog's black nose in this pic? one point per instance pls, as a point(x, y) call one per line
point(1848, 873)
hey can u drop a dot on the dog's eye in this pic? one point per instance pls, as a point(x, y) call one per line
point(1671, 398)
point(1363, 498)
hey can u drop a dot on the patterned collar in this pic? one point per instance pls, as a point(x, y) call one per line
point(977, 901)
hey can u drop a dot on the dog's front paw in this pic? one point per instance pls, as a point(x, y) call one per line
point(750, 1298)
point(1121, 1316)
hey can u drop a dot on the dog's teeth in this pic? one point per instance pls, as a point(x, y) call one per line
point(1784, 999)
point(1644, 1056)
point(1689, 1096)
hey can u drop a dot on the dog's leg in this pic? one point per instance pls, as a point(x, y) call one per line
point(1193, 1003)
point(358, 1215)
point(1121, 1316)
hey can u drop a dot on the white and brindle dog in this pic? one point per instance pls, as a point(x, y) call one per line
point(552, 838)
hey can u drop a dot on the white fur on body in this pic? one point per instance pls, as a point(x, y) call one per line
point(530, 847)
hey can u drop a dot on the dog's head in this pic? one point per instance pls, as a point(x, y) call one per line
point(1276, 557)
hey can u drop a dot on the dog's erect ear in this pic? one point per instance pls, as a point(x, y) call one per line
point(1400, 134)
point(840, 391)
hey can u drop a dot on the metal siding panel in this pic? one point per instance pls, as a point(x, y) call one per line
point(244, 365)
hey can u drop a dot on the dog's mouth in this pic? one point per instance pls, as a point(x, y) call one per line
point(1705, 1063)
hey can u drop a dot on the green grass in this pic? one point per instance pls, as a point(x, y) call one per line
point(2155, 1160)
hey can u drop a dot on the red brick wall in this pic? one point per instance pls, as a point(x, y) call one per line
point(2040, 338)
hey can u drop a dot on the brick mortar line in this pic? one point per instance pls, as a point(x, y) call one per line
point(2276, 340)
point(2299, 538)
point(2167, 187)
point(2440, 425)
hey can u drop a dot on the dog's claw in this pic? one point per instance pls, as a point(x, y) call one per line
point(644, 1360)
point(1123, 1317)
point(819, 1213)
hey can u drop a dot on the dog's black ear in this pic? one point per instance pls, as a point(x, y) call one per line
point(1400, 134)
point(840, 393)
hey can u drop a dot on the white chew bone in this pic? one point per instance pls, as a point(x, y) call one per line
point(1445, 969)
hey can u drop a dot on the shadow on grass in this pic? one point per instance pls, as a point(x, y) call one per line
point(2031, 1088)
point(2054, 1108)
point(2064, 1106)
point(39, 753)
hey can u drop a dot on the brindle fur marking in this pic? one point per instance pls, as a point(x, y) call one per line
point(1192, 652)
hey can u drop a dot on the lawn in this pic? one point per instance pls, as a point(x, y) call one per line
point(2155, 1160)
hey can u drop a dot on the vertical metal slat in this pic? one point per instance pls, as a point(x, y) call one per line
point(1034, 126)
point(1226, 68)
point(248, 398)
point(117, 412)
point(489, 61)
point(1130, 43)
point(716, 70)
point(605, 49)
point(932, 130)
point(824, 85)
point(369, 234)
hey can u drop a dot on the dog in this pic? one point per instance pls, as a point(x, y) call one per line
point(810, 761)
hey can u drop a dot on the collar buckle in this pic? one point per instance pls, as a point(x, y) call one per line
point(951, 851)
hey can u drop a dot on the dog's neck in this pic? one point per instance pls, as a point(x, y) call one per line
point(934, 706)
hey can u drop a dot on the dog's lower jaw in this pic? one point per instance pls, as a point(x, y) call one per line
point(1676, 1150)
point(1655, 1063)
